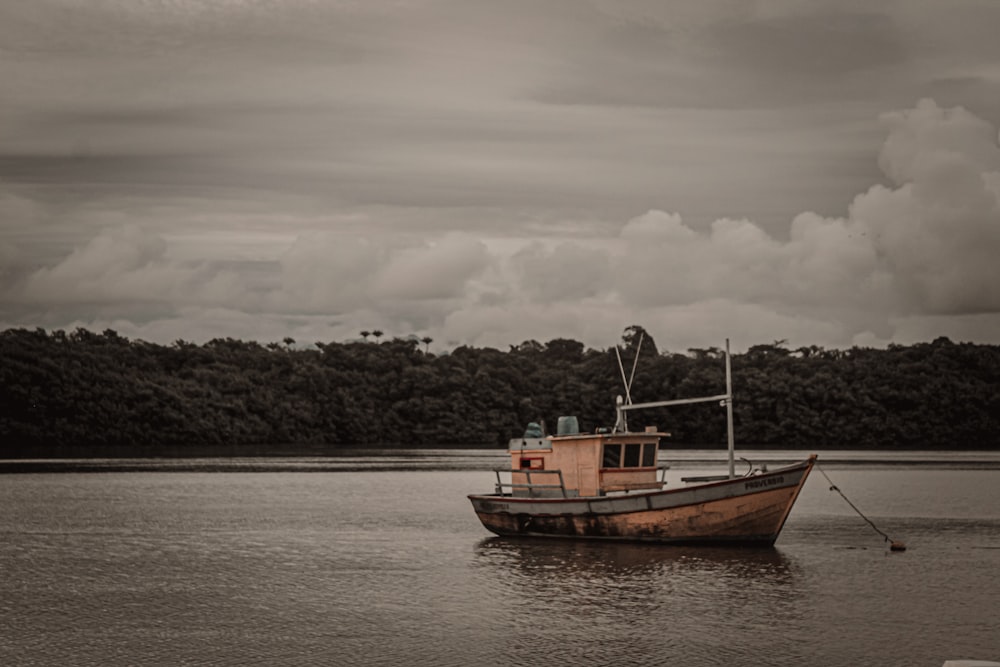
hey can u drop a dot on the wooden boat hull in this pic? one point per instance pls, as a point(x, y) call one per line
point(742, 511)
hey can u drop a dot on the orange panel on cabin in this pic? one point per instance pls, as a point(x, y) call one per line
point(569, 457)
point(624, 479)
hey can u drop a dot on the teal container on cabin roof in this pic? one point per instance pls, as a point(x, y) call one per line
point(568, 426)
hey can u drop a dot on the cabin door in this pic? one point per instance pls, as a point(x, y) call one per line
point(586, 476)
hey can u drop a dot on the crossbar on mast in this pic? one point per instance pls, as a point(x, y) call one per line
point(679, 401)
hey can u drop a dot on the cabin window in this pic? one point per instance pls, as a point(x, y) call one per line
point(632, 454)
point(534, 463)
point(649, 455)
point(612, 456)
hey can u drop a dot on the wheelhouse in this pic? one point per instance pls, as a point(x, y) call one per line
point(584, 464)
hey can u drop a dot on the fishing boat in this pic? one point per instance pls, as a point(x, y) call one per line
point(607, 485)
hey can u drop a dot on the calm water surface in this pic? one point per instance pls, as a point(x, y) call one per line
point(384, 563)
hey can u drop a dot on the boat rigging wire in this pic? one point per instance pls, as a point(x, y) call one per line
point(622, 423)
point(893, 544)
point(621, 367)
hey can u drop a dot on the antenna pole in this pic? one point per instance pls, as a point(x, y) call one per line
point(635, 362)
point(729, 415)
point(620, 425)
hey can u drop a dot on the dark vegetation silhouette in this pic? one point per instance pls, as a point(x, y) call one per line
point(85, 393)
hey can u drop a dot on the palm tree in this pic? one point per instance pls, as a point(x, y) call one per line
point(427, 340)
point(366, 334)
point(377, 334)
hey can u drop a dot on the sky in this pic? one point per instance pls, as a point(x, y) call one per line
point(488, 173)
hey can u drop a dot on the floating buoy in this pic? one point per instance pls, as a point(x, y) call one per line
point(897, 546)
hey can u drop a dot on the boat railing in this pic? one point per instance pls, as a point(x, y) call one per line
point(529, 485)
point(662, 469)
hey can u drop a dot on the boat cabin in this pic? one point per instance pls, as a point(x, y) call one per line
point(574, 464)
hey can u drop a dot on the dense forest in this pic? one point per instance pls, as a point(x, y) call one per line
point(87, 393)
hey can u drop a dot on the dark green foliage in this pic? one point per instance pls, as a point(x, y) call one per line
point(84, 393)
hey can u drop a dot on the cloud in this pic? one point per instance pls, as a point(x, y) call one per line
point(938, 232)
point(122, 265)
point(19, 216)
point(925, 247)
point(768, 55)
point(926, 138)
point(335, 272)
point(437, 270)
point(824, 264)
point(328, 272)
point(567, 271)
point(17, 211)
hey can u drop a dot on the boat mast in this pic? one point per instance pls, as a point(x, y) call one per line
point(729, 415)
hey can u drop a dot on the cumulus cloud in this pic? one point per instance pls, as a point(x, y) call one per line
point(438, 270)
point(922, 138)
point(17, 215)
point(823, 264)
point(122, 265)
point(16, 210)
point(925, 247)
point(337, 272)
point(566, 271)
point(327, 271)
point(938, 232)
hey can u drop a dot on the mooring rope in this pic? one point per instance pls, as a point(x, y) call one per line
point(895, 546)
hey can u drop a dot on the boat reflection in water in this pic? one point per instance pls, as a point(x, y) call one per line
point(677, 594)
point(541, 558)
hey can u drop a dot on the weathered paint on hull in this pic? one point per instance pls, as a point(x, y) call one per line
point(748, 511)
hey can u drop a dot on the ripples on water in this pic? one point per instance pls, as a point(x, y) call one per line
point(391, 567)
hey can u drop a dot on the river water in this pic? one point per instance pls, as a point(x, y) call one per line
point(378, 559)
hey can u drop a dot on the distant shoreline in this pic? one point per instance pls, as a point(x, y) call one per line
point(200, 451)
point(476, 458)
point(255, 451)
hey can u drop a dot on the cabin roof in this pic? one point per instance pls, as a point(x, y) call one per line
point(612, 437)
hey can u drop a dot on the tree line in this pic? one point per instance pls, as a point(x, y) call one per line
point(86, 393)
